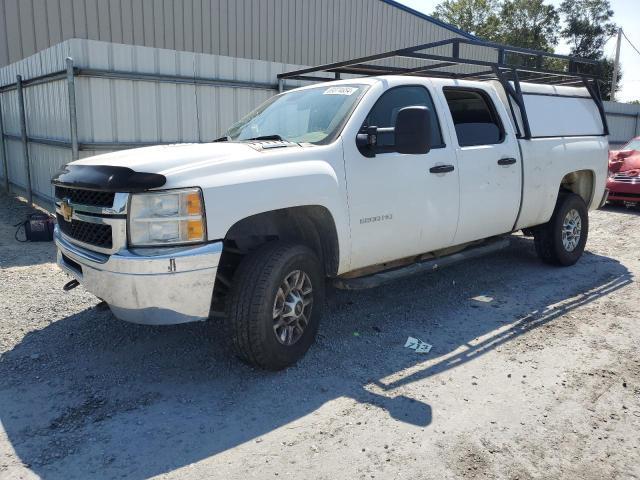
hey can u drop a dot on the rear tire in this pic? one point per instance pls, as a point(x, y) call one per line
point(275, 305)
point(562, 239)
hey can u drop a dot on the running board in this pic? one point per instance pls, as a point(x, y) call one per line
point(382, 278)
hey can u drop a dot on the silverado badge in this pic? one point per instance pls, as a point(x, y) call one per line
point(66, 210)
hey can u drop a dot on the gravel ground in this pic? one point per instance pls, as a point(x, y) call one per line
point(540, 378)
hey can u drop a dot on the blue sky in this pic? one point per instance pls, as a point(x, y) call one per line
point(627, 15)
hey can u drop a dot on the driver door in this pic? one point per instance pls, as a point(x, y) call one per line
point(400, 205)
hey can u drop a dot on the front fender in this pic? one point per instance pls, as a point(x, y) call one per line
point(235, 195)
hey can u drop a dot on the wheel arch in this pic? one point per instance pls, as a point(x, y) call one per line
point(580, 182)
point(310, 225)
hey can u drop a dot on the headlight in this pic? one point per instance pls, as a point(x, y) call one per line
point(167, 218)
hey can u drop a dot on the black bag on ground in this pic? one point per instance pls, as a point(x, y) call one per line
point(38, 227)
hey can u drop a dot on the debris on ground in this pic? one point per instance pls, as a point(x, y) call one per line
point(418, 345)
point(483, 299)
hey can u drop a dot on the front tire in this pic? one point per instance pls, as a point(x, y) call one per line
point(562, 239)
point(275, 305)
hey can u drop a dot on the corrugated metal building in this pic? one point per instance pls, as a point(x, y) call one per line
point(304, 32)
point(125, 96)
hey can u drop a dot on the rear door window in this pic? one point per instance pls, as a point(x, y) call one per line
point(474, 117)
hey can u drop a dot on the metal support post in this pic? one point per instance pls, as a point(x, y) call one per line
point(73, 115)
point(23, 136)
point(3, 155)
point(616, 65)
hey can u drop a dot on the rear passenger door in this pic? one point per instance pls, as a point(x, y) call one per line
point(488, 163)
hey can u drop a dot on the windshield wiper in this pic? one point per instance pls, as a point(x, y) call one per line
point(266, 137)
point(225, 138)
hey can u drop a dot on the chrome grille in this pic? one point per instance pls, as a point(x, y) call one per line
point(625, 178)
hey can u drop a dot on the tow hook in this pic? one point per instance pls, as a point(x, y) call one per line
point(70, 285)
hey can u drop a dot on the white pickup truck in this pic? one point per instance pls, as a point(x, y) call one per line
point(358, 181)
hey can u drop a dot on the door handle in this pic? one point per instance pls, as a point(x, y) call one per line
point(442, 169)
point(507, 161)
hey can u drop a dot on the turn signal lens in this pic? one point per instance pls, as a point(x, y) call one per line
point(194, 203)
point(195, 230)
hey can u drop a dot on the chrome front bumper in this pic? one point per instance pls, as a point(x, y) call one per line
point(160, 286)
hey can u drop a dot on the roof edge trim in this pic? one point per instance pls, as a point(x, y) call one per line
point(429, 18)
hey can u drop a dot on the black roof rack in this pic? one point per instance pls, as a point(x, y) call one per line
point(512, 65)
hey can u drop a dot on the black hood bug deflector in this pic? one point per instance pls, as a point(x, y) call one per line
point(107, 178)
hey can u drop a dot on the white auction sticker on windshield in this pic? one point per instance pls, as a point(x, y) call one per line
point(340, 90)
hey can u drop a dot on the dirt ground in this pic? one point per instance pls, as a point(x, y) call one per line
point(534, 373)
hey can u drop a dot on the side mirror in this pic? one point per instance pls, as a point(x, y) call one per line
point(413, 130)
point(366, 142)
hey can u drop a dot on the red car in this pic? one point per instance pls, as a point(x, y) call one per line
point(624, 173)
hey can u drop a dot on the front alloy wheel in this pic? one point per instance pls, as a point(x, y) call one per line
point(292, 307)
point(274, 307)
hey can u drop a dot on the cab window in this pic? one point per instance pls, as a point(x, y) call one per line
point(474, 117)
point(385, 111)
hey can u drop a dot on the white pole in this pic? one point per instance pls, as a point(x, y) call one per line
point(616, 63)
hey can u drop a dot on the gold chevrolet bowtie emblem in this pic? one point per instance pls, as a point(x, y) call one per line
point(66, 210)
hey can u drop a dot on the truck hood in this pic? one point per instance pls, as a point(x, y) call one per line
point(170, 166)
point(164, 159)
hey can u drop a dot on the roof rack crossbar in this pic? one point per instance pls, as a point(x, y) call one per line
point(525, 51)
point(368, 69)
point(310, 78)
point(362, 65)
point(459, 60)
point(507, 72)
point(484, 63)
point(532, 77)
point(433, 66)
point(572, 81)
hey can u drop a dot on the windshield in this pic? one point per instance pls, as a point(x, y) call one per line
point(632, 145)
point(313, 115)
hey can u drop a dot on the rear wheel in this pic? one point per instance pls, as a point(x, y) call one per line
point(275, 303)
point(562, 239)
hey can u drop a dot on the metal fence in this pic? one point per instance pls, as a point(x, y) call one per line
point(82, 97)
point(624, 122)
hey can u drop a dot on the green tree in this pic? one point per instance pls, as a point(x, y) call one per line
point(535, 24)
point(588, 26)
point(477, 17)
point(529, 24)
